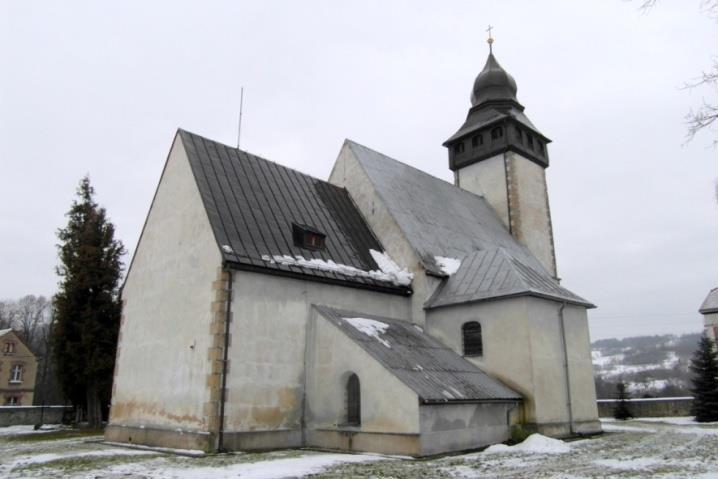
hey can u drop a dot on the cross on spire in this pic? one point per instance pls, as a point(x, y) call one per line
point(490, 40)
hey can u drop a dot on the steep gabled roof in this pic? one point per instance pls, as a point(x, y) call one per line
point(710, 304)
point(490, 274)
point(440, 219)
point(433, 371)
point(252, 204)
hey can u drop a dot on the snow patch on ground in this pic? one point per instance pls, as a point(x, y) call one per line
point(370, 327)
point(24, 430)
point(534, 444)
point(630, 464)
point(677, 420)
point(616, 428)
point(271, 469)
point(448, 265)
point(42, 458)
point(388, 271)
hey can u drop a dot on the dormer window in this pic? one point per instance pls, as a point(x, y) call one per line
point(308, 237)
point(459, 148)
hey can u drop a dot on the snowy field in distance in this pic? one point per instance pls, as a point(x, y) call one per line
point(673, 448)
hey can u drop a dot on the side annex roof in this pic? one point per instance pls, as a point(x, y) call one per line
point(252, 205)
point(433, 371)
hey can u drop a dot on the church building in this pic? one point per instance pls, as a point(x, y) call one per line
point(383, 310)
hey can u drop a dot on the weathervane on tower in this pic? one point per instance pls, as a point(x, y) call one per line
point(490, 40)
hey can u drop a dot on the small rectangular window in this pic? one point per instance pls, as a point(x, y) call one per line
point(12, 400)
point(477, 141)
point(9, 348)
point(459, 148)
point(308, 237)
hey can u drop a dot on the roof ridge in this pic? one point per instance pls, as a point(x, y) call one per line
point(352, 142)
point(258, 157)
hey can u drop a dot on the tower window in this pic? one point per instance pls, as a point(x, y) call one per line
point(531, 141)
point(519, 135)
point(308, 237)
point(497, 133)
point(353, 401)
point(471, 336)
point(459, 148)
point(477, 141)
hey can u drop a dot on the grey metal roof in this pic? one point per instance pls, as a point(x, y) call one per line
point(434, 372)
point(494, 273)
point(252, 202)
point(440, 219)
point(710, 304)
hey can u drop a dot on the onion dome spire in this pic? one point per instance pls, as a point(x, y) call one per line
point(493, 82)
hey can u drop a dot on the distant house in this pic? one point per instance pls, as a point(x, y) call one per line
point(709, 310)
point(18, 368)
point(383, 310)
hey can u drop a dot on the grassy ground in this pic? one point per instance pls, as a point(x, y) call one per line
point(628, 449)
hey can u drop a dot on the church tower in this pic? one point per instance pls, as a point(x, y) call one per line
point(499, 154)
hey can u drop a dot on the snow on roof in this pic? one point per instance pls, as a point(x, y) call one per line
point(388, 271)
point(370, 327)
point(5, 331)
point(448, 265)
point(428, 367)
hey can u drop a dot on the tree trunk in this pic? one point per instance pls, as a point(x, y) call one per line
point(94, 409)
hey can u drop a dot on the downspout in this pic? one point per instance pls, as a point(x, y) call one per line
point(225, 361)
point(565, 367)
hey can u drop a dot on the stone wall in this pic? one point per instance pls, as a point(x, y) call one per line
point(649, 407)
point(30, 415)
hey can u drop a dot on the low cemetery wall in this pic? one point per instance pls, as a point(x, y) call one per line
point(30, 415)
point(649, 407)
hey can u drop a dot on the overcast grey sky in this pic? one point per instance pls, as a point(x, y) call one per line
point(100, 88)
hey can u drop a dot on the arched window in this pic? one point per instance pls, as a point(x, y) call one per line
point(353, 401)
point(497, 133)
point(471, 334)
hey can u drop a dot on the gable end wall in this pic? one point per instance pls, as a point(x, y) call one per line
point(163, 365)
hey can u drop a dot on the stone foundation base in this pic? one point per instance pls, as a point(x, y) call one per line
point(355, 441)
point(148, 436)
point(262, 440)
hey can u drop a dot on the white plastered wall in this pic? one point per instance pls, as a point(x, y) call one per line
point(162, 362)
point(710, 322)
point(487, 178)
point(387, 404)
point(523, 348)
point(268, 337)
point(348, 173)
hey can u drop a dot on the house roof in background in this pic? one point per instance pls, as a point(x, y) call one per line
point(433, 371)
point(710, 304)
point(252, 203)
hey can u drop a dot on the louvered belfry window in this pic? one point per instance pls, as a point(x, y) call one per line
point(353, 401)
point(473, 345)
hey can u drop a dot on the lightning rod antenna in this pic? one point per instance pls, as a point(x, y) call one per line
point(241, 104)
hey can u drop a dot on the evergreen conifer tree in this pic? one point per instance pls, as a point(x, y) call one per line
point(621, 411)
point(87, 306)
point(704, 366)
